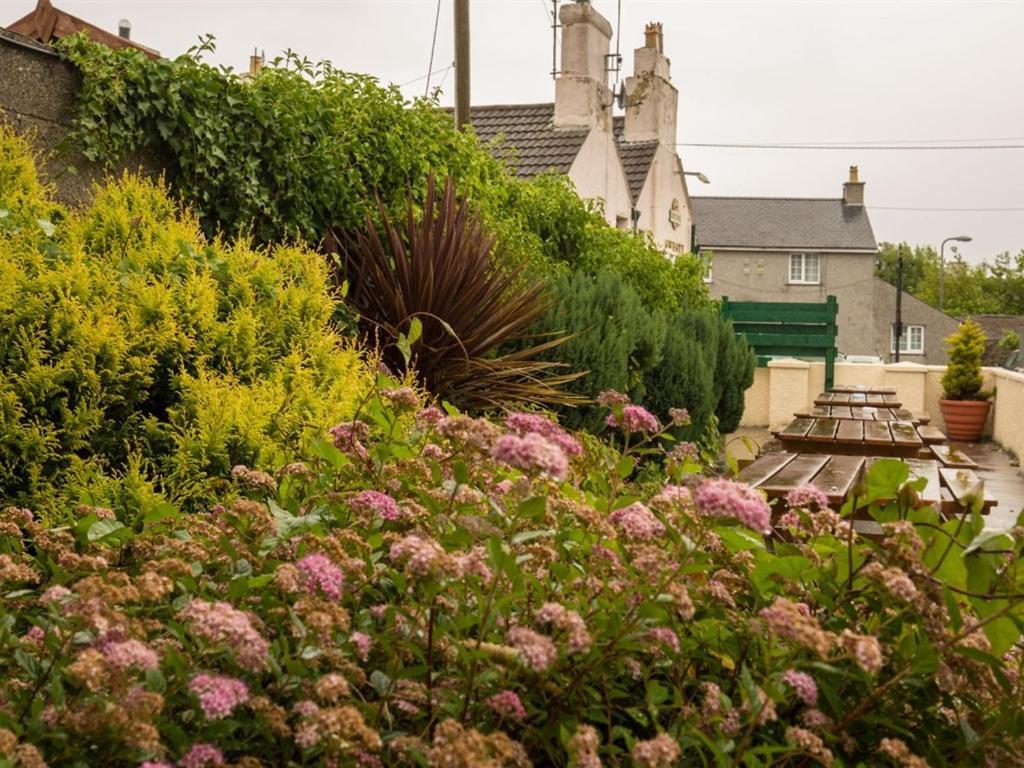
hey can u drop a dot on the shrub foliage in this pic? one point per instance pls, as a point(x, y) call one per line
point(130, 345)
point(429, 297)
point(966, 347)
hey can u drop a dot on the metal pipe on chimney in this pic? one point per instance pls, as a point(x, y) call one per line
point(461, 63)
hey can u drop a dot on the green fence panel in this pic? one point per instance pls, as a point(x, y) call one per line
point(792, 329)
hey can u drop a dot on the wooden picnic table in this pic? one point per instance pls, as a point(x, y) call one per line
point(857, 437)
point(865, 388)
point(863, 413)
point(947, 489)
point(861, 399)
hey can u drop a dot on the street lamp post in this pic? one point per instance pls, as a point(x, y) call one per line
point(942, 267)
point(700, 176)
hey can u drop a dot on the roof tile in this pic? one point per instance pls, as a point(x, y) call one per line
point(782, 222)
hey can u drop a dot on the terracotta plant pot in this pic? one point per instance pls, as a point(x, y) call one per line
point(965, 419)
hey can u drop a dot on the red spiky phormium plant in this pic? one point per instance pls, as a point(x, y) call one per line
point(438, 271)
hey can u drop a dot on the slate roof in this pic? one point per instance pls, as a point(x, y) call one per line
point(637, 157)
point(529, 134)
point(782, 222)
point(533, 145)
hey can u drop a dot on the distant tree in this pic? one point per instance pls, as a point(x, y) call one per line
point(995, 287)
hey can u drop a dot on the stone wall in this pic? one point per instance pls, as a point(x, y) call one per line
point(37, 95)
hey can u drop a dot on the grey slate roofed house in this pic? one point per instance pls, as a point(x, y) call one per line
point(782, 222)
point(791, 249)
point(628, 162)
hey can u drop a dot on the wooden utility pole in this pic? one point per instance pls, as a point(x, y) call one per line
point(461, 63)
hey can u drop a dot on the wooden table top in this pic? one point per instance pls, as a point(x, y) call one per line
point(862, 412)
point(947, 489)
point(865, 388)
point(870, 399)
point(857, 436)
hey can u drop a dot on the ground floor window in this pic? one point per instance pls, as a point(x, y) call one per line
point(911, 342)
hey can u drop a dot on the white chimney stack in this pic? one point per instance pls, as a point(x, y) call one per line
point(582, 96)
point(651, 99)
point(124, 29)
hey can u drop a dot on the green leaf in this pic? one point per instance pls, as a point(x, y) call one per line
point(533, 507)
point(415, 330)
point(885, 478)
point(107, 532)
point(47, 226)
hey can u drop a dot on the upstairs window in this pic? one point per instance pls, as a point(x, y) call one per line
point(804, 268)
point(709, 276)
point(911, 342)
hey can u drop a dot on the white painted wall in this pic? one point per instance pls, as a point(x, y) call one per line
point(598, 175)
point(664, 184)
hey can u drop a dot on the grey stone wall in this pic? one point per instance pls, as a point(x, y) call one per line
point(37, 95)
point(764, 276)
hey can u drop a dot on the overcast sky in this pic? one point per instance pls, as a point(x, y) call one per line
point(747, 72)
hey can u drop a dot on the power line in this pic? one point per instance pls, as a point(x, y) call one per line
point(433, 45)
point(424, 77)
point(859, 142)
point(858, 147)
point(947, 210)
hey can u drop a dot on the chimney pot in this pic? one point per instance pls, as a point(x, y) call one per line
point(124, 29)
point(255, 63)
point(653, 37)
point(853, 174)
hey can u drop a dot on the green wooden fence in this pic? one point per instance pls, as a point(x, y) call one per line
point(788, 329)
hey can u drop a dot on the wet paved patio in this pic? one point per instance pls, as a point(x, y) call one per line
point(1003, 479)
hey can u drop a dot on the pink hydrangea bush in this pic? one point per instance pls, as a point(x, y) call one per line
point(528, 603)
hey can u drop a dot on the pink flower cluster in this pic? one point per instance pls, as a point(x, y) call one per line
point(660, 752)
point(218, 694)
point(537, 651)
point(635, 418)
point(865, 649)
point(422, 555)
point(376, 503)
point(725, 498)
point(807, 496)
point(202, 756)
point(637, 522)
point(672, 497)
point(663, 636)
point(322, 575)
point(348, 435)
point(507, 704)
point(803, 684)
point(125, 654)
point(610, 398)
point(570, 622)
point(363, 644)
point(222, 624)
point(534, 423)
point(531, 453)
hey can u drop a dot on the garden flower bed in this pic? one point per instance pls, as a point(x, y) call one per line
point(431, 588)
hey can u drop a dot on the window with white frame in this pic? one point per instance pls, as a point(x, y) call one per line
point(805, 268)
point(911, 342)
